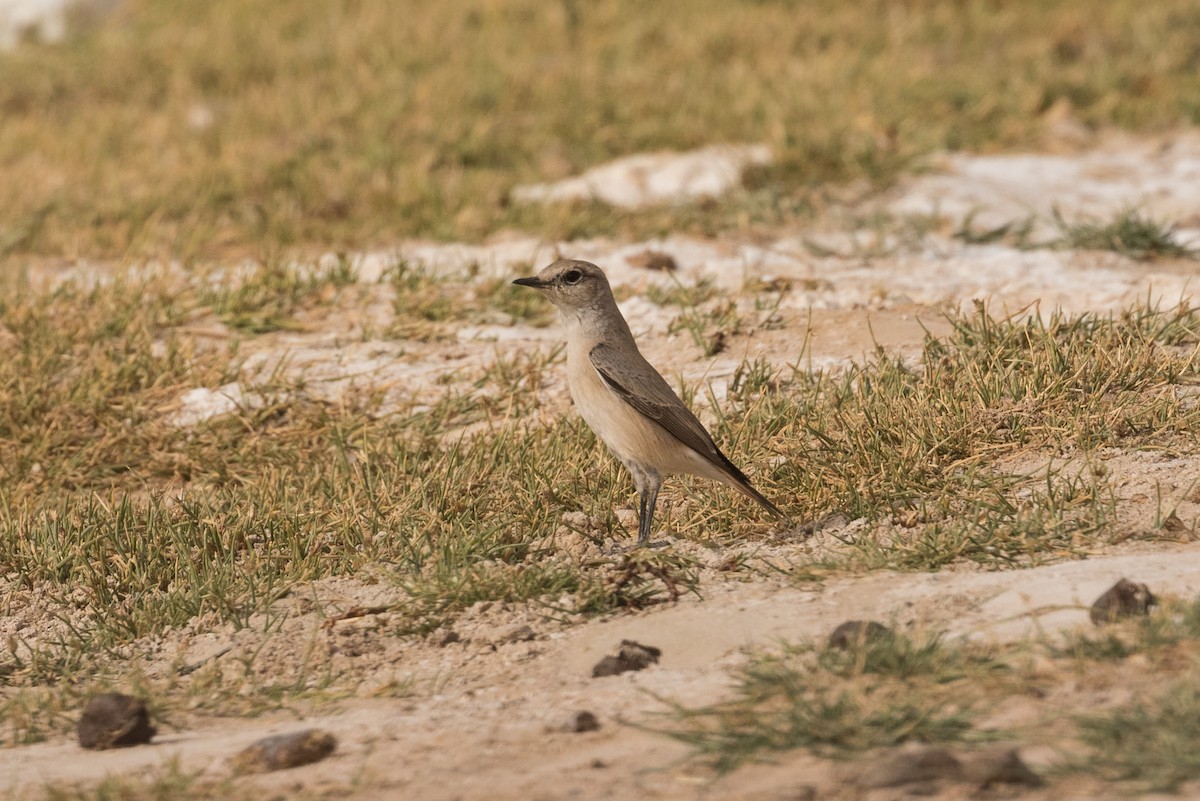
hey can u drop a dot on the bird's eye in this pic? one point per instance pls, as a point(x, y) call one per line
point(572, 277)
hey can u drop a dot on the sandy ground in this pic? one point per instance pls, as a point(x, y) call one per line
point(480, 718)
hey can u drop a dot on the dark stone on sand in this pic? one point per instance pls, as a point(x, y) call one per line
point(517, 634)
point(853, 633)
point(998, 766)
point(114, 720)
point(654, 260)
point(910, 765)
point(630, 656)
point(580, 722)
point(285, 751)
point(1122, 600)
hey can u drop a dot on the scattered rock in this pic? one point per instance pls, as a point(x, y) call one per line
point(653, 260)
point(1173, 524)
point(285, 751)
point(208, 652)
point(630, 656)
point(579, 722)
point(858, 632)
point(443, 638)
point(998, 766)
point(1121, 600)
point(608, 666)
point(909, 765)
point(516, 634)
point(916, 764)
point(113, 720)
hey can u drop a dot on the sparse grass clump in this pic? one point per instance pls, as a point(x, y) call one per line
point(1130, 233)
point(885, 692)
point(681, 294)
point(169, 782)
point(269, 294)
point(1153, 742)
point(643, 578)
point(81, 386)
point(1017, 233)
point(896, 656)
point(891, 688)
point(710, 328)
point(427, 304)
point(917, 443)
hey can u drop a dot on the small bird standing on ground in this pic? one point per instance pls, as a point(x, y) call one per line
point(623, 398)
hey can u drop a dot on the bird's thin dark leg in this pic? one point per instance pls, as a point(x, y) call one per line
point(649, 499)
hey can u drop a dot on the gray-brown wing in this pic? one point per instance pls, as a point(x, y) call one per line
point(640, 385)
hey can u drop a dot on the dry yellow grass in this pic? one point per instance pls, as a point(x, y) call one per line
point(199, 127)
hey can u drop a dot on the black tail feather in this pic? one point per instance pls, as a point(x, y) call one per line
point(743, 485)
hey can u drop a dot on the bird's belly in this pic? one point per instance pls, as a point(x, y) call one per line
point(629, 435)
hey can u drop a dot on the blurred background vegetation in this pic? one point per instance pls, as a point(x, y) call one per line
point(202, 128)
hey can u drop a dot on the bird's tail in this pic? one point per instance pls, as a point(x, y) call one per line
point(737, 479)
point(749, 491)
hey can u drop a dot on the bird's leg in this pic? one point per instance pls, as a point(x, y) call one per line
point(649, 483)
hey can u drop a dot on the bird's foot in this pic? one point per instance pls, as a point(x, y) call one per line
point(637, 546)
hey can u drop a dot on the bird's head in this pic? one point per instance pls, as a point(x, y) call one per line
point(573, 286)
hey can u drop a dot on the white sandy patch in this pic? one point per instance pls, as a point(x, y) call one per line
point(201, 404)
point(1159, 177)
point(45, 19)
point(653, 178)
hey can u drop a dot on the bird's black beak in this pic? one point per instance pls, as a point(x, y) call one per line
point(532, 281)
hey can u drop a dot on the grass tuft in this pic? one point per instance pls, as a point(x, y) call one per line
point(1129, 233)
point(268, 296)
point(643, 578)
point(169, 782)
point(1152, 742)
point(835, 702)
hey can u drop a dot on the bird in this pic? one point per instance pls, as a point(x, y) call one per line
point(625, 401)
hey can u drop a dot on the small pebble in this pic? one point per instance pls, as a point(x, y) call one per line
point(114, 720)
point(910, 765)
point(446, 637)
point(998, 766)
point(630, 656)
point(654, 260)
point(580, 722)
point(1122, 600)
point(854, 633)
point(285, 751)
point(517, 634)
